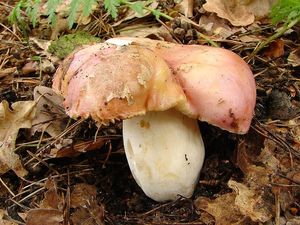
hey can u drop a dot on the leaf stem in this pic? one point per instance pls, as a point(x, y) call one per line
point(206, 38)
point(279, 33)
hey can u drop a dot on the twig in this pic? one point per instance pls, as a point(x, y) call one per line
point(5, 27)
point(159, 207)
point(40, 161)
point(277, 209)
point(19, 204)
point(258, 127)
point(32, 194)
point(108, 155)
point(7, 188)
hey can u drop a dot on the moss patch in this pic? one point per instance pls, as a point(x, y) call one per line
point(67, 43)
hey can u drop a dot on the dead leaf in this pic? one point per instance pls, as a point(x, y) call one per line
point(42, 44)
point(44, 216)
point(252, 202)
point(294, 58)
point(275, 49)
point(293, 221)
point(186, 7)
point(47, 66)
point(131, 14)
point(82, 194)
point(87, 209)
point(76, 149)
point(4, 221)
point(93, 215)
point(143, 30)
point(239, 12)
point(11, 121)
point(51, 200)
point(7, 71)
point(50, 114)
point(223, 209)
point(42, 47)
point(250, 38)
point(51, 207)
point(262, 190)
point(218, 27)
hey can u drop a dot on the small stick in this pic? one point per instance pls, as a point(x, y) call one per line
point(7, 188)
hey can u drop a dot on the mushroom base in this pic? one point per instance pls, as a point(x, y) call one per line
point(165, 153)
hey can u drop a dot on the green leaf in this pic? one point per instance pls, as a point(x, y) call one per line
point(15, 15)
point(51, 8)
point(285, 11)
point(32, 11)
point(36, 58)
point(137, 7)
point(87, 8)
point(74, 6)
point(111, 7)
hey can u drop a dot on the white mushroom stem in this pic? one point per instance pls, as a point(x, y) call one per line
point(165, 153)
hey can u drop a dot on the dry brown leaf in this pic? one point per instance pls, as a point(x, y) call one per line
point(186, 7)
point(51, 200)
point(50, 211)
point(275, 49)
point(50, 114)
point(82, 194)
point(218, 27)
point(93, 215)
point(294, 58)
point(252, 202)
point(262, 190)
point(293, 221)
point(143, 30)
point(11, 121)
point(44, 216)
point(4, 221)
point(267, 157)
point(131, 14)
point(7, 71)
point(223, 209)
point(239, 12)
point(72, 150)
point(42, 44)
point(87, 209)
point(254, 195)
point(250, 38)
point(47, 66)
point(41, 48)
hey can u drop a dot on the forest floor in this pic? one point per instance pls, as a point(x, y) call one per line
point(61, 171)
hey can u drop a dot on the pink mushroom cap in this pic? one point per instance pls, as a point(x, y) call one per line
point(219, 86)
point(109, 82)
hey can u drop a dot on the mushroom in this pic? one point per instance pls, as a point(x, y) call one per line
point(164, 148)
point(218, 84)
point(159, 90)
